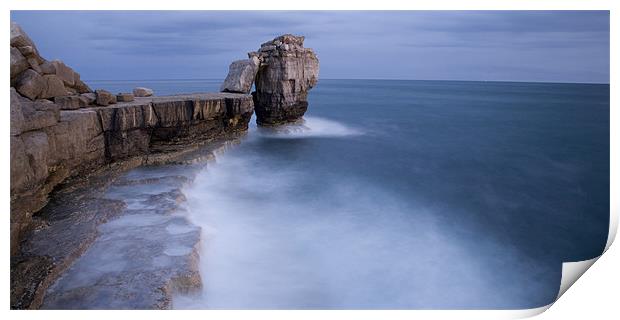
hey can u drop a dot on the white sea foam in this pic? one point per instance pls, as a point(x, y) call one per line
point(310, 127)
point(289, 237)
point(350, 245)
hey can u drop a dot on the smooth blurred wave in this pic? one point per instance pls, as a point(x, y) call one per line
point(406, 194)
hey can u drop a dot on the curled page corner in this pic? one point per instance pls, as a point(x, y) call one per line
point(571, 271)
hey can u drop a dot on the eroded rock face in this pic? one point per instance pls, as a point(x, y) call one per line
point(241, 76)
point(135, 127)
point(47, 146)
point(18, 62)
point(53, 141)
point(72, 102)
point(53, 87)
point(286, 74)
point(30, 84)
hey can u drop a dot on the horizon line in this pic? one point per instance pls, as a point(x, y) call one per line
point(382, 79)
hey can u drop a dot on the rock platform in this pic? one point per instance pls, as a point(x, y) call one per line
point(118, 239)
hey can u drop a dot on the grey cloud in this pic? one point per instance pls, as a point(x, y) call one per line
point(572, 45)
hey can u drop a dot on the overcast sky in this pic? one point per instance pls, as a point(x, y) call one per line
point(557, 46)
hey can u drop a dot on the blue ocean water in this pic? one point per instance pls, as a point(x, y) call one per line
point(405, 194)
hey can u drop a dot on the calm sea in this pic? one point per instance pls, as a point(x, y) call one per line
point(405, 194)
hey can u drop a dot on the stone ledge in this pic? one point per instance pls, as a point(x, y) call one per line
point(73, 142)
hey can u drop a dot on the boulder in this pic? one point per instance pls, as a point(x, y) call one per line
point(19, 38)
point(34, 64)
point(27, 51)
point(48, 68)
point(142, 92)
point(124, 97)
point(89, 97)
point(80, 86)
point(71, 102)
point(30, 84)
point(287, 72)
point(21, 41)
point(61, 70)
point(18, 62)
point(54, 87)
point(104, 97)
point(241, 75)
point(17, 116)
point(71, 91)
point(65, 73)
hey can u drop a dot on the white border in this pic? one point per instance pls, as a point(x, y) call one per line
point(604, 289)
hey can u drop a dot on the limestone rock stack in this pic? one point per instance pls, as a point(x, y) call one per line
point(287, 72)
point(283, 72)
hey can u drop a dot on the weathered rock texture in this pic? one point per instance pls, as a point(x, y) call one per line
point(241, 76)
point(48, 144)
point(124, 97)
point(287, 72)
point(142, 92)
point(36, 78)
point(56, 132)
point(104, 97)
point(114, 239)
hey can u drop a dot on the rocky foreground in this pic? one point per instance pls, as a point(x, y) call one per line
point(75, 192)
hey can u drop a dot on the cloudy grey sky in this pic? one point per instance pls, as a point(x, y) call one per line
point(557, 46)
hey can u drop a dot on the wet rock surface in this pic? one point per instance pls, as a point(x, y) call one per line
point(116, 240)
point(63, 230)
point(140, 257)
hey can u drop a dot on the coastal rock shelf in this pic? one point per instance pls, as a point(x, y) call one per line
point(115, 240)
point(60, 128)
point(142, 256)
point(150, 124)
point(49, 145)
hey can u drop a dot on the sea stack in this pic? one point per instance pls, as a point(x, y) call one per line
point(283, 72)
point(286, 73)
